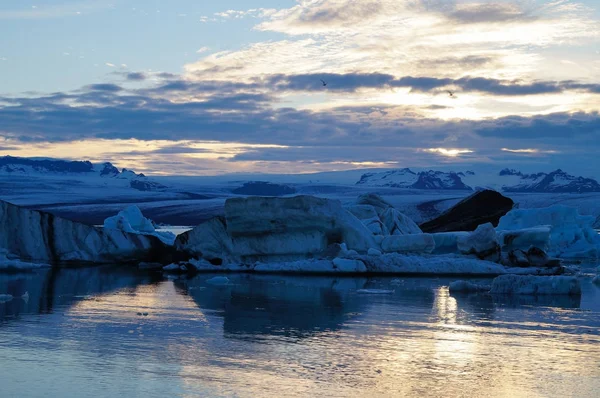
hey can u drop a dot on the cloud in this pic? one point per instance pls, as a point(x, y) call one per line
point(202, 50)
point(529, 151)
point(110, 65)
point(450, 152)
point(354, 81)
point(488, 13)
point(227, 114)
point(135, 76)
point(104, 87)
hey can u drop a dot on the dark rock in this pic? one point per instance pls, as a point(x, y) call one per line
point(480, 208)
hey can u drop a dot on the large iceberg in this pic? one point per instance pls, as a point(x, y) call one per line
point(289, 229)
point(269, 230)
point(133, 221)
point(309, 234)
point(39, 237)
point(570, 234)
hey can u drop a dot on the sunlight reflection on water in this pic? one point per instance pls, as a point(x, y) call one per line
point(100, 332)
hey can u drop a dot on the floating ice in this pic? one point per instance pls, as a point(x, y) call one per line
point(218, 280)
point(536, 285)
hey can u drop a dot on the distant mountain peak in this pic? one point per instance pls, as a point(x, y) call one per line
point(508, 180)
point(76, 169)
point(406, 178)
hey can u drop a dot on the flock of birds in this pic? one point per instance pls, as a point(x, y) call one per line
point(450, 93)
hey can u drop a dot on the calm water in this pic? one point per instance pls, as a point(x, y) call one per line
point(80, 335)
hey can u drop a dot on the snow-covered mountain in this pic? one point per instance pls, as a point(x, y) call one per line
point(31, 167)
point(406, 178)
point(507, 180)
point(556, 181)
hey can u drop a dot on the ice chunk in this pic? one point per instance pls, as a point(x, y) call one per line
point(348, 265)
point(536, 285)
point(571, 235)
point(525, 238)
point(133, 221)
point(447, 242)
point(415, 243)
point(368, 216)
point(392, 221)
point(482, 242)
point(219, 280)
point(467, 287)
point(399, 224)
point(374, 252)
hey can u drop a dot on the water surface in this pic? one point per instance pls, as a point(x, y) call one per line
point(83, 333)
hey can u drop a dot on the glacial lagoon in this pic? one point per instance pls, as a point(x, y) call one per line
point(109, 332)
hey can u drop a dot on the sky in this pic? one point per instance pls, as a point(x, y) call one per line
point(194, 87)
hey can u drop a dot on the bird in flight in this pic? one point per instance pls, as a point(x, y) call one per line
point(324, 83)
point(450, 93)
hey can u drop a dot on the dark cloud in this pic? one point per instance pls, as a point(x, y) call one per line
point(353, 81)
point(104, 87)
point(335, 82)
point(170, 150)
point(136, 76)
point(232, 112)
point(556, 127)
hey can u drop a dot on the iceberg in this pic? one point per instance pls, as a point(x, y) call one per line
point(482, 243)
point(132, 220)
point(39, 237)
point(219, 281)
point(289, 229)
point(536, 285)
point(523, 239)
point(571, 235)
point(378, 214)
